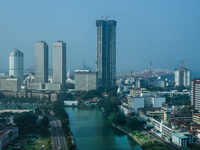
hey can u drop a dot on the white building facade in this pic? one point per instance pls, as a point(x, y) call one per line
point(16, 64)
point(182, 76)
point(135, 103)
point(195, 93)
point(85, 80)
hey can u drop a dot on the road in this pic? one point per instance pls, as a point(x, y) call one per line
point(57, 135)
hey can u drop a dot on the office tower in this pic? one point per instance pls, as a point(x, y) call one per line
point(106, 52)
point(59, 62)
point(16, 64)
point(182, 76)
point(195, 93)
point(41, 62)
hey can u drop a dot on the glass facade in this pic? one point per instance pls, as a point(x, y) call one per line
point(106, 52)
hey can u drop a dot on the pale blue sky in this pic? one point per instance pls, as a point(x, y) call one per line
point(163, 31)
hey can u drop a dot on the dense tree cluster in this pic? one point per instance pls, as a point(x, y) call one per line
point(27, 123)
point(178, 99)
point(111, 110)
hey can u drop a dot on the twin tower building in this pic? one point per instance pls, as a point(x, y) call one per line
point(41, 66)
point(105, 61)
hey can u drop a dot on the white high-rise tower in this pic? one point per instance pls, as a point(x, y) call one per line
point(16, 64)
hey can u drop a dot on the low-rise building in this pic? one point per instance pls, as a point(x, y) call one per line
point(70, 103)
point(135, 103)
point(7, 136)
point(10, 84)
point(163, 127)
point(157, 101)
point(46, 95)
point(182, 139)
point(85, 80)
point(126, 110)
point(196, 118)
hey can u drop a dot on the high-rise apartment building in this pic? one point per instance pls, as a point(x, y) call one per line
point(106, 52)
point(182, 76)
point(41, 62)
point(16, 64)
point(59, 62)
point(195, 93)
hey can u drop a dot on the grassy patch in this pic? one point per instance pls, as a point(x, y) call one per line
point(38, 143)
point(194, 146)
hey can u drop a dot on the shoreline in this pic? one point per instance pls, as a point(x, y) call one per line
point(128, 134)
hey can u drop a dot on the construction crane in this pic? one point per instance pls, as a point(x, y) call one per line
point(182, 68)
point(106, 16)
point(182, 65)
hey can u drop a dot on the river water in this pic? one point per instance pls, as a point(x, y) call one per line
point(93, 131)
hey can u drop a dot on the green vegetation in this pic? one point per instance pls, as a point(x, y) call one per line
point(40, 143)
point(155, 88)
point(178, 99)
point(187, 110)
point(147, 143)
point(154, 145)
point(26, 122)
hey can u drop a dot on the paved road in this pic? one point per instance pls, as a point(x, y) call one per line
point(58, 138)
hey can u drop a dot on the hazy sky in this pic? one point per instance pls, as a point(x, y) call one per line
point(161, 31)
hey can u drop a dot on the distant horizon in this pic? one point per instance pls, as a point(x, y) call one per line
point(162, 32)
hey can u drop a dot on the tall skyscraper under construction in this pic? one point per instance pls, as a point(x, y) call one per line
point(182, 75)
point(106, 52)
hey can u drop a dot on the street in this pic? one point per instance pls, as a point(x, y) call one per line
point(58, 138)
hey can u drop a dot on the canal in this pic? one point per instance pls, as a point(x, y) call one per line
point(93, 131)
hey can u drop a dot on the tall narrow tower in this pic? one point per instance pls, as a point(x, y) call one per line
point(106, 52)
point(16, 64)
point(59, 62)
point(195, 93)
point(182, 75)
point(41, 62)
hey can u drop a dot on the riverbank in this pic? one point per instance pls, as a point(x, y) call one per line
point(93, 130)
point(134, 137)
point(145, 142)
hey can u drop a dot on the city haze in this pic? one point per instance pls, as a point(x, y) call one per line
point(162, 32)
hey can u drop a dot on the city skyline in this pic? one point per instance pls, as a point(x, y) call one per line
point(161, 32)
